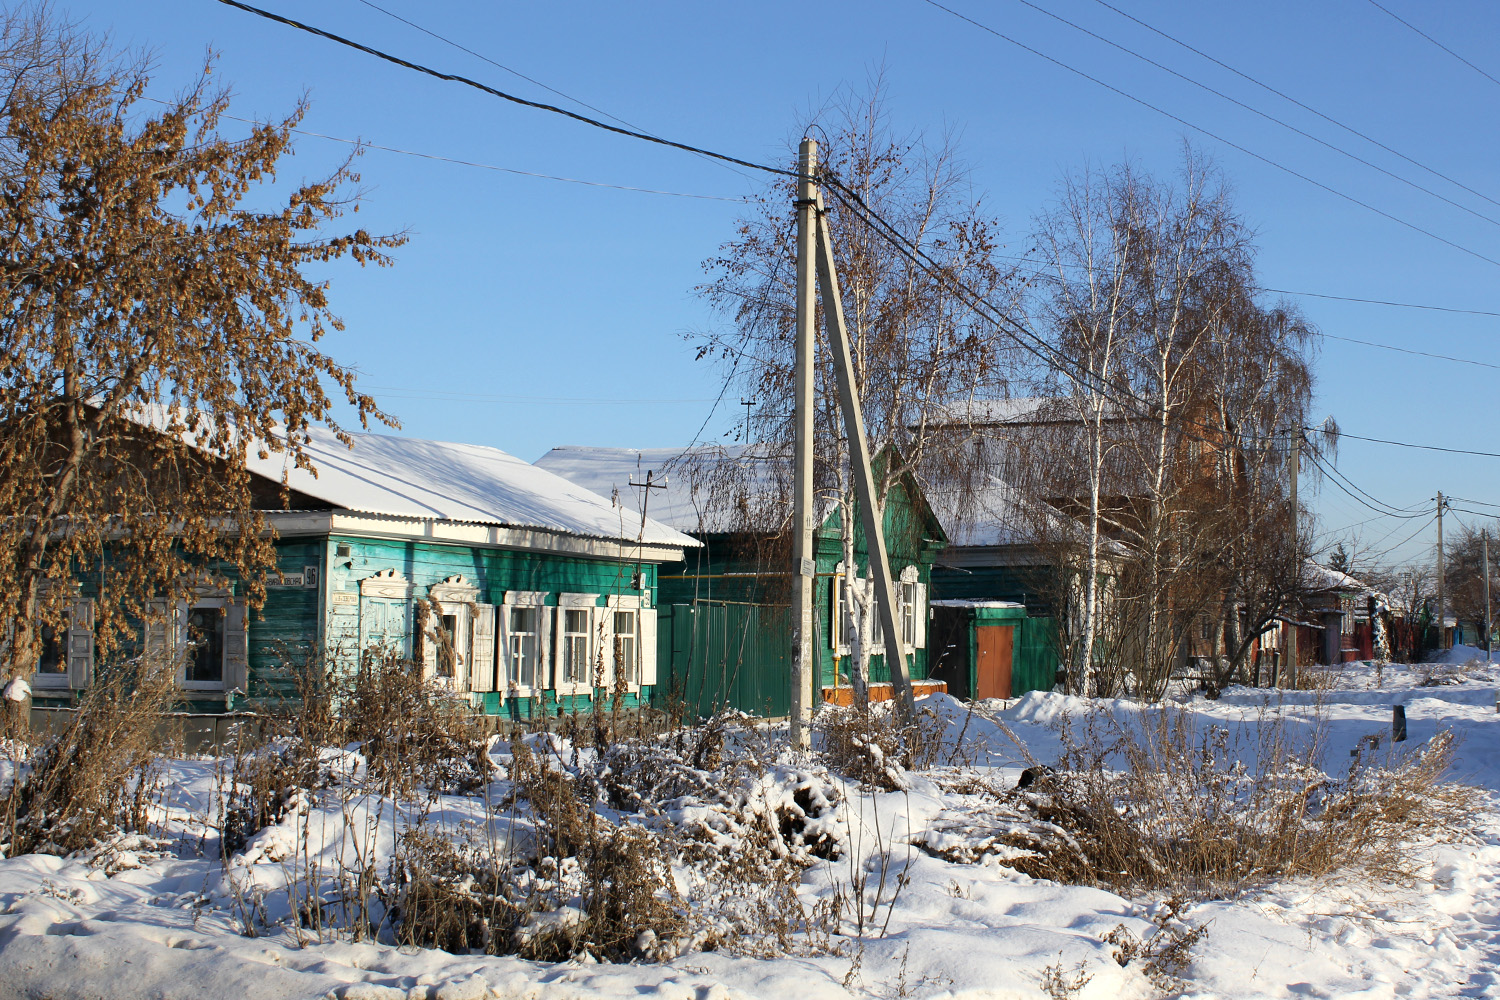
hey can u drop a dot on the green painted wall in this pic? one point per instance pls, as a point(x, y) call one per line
point(494, 571)
point(730, 614)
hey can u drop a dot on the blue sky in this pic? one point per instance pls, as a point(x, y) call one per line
point(526, 313)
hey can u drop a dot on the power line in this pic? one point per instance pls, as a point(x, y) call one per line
point(1200, 129)
point(1409, 444)
point(1434, 41)
point(1408, 538)
point(1370, 503)
point(1408, 350)
point(513, 72)
point(495, 92)
point(1256, 111)
point(1287, 97)
point(364, 144)
point(1384, 302)
point(414, 392)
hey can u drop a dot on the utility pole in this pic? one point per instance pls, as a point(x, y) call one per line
point(1442, 618)
point(1488, 626)
point(864, 475)
point(804, 565)
point(748, 404)
point(1289, 675)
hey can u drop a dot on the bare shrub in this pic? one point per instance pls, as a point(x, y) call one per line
point(96, 778)
point(875, 748)
point(1166, 954)
point(413, 733)
point(1059, 985)
point(1154, 805)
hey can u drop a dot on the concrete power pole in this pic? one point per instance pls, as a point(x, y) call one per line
point(1289, 675)
point(804, 563)
point(1488, 621)
point(1442, 617)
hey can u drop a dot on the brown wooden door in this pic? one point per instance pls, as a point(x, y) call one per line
point(996, 643)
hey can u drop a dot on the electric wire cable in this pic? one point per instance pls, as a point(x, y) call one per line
point(1434, 41)
point(503, 95)
point(1410, 444)
point(1404, 541)
point(514, 72)
point(1203, 131)
point(1256, 111)
point(365, 144)
point(1360, 496)
point(893, 235)
point(1288, 97)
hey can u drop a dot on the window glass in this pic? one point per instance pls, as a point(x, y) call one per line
point(205, 646)
point(625, 654)
point(447, 650)
point(909, 614)
point(523, 646)
point(575, 646)
point(54, 658)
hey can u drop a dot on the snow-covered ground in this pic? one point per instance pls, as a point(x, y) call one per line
point(171, 921)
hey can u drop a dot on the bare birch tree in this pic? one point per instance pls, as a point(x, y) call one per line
point(920, 348)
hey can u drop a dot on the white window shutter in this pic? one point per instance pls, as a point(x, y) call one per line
point(504, 669)
point(647, 651)
point(835, 611)
point(236, 647)
point(159, 631)
point(482, 650)
point(606, 633)
point(920, 613)
point(428, 637)
point(546, 618)
point(81, 644)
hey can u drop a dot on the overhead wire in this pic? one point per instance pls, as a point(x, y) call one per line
point(1203, 131)
point(1256, 111)
point(849, 196)
point(513, 72)
point(504, 95)
point(1434, 41)
point(1288, 97)
point(1409, 444)
point(365, 144)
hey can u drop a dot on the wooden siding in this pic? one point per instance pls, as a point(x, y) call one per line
point(493, 571)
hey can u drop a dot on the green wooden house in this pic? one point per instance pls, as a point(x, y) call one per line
point(547, 592)
point(725, 612)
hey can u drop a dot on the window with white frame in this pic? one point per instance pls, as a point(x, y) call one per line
point(525, 626)
point(66, 657)
point(627, 647)
point(579, 648)
point(524, 646)
point(577, 629)
point(454, 631)
point(207, 638)
point(629, 627)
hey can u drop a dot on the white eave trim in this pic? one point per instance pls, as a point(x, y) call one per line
point(466, 533)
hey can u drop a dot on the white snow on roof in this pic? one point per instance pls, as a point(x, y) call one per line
point(409, 477)
point(700, 489)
